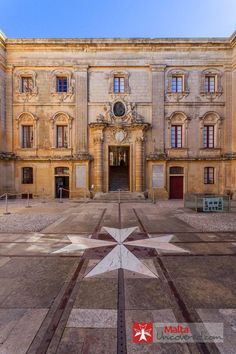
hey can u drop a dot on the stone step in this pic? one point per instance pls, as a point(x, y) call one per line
point(114, 196)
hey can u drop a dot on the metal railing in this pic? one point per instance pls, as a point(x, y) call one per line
point(7, 195)
point(61, 189)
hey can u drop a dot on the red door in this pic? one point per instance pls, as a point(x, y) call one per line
point(176, 187)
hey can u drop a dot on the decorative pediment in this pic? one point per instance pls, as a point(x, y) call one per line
point(26, 118)
point(211, 118)
point(178, 118)
point(61, 118)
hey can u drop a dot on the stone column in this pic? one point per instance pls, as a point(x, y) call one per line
point(81, 119)
point(98, 161)
point(158, 107)
point(139, 160)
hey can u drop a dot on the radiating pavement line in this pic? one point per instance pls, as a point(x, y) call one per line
point(121, 327)
point(65, 305)
point(188, 316)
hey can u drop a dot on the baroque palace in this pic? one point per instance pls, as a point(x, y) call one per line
point(109, 114)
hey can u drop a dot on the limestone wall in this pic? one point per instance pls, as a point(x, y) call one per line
point(90, 65)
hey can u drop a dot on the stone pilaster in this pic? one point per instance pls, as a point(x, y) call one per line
point(158, 107)
point(81, 121)
point(98, 161)
point(9, 108)
point(228, 141)
point(139, 164)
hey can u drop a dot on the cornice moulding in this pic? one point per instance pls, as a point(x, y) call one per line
point(88, 44)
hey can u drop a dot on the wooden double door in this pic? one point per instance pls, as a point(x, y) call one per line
point(176, 187)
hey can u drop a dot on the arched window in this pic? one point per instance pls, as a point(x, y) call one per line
point(27, 127)
point(177, 125)
point(210, 125)
point(62, 126)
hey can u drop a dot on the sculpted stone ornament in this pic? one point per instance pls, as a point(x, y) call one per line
point(120, 111)
point(120, 135)
point(26, 91)
point(67, 96)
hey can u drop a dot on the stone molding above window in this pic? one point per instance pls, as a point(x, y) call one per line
point(119, 73)
point(178, 118)
point(27, 118)
point(212, 118)
point(218, 83)
point(176, 96)
point(25, 96)
point(61, 118)
point(62, 96)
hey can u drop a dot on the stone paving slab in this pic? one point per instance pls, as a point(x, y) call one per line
point(34, 283)
point(228, 317)
point(147, 294)
point(92, 318)
point(77, 222)
point(205, 281)
point(97, 294)
point(86, 340)
point(19, 328)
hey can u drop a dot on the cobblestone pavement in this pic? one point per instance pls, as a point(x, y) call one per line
point(48, 305)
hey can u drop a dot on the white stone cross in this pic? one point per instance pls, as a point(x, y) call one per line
point(120, 256)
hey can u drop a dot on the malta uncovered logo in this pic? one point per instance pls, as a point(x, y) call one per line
point(143, 332)
point(207, 332)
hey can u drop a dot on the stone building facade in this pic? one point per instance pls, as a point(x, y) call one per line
point(108, 114)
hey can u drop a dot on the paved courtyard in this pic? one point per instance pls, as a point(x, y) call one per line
point(71, 281)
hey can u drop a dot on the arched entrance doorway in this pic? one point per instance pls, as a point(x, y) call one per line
point(119, 158)
point(176, 185)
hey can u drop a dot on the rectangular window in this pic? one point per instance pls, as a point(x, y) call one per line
point(209, 175)
point(62, 136)
point(208, 136)
point(176, 136)
point(210, 84)
point(27, 136)
point(62, 84)
point(177, 84)
point(119, 84)
point(26, 84)
point(27, 175)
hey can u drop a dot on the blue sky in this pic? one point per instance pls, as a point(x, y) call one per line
point(118, 18)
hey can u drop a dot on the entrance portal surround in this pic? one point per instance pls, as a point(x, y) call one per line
point(103, 136)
